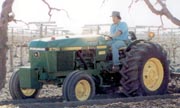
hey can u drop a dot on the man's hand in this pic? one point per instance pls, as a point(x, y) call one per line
point(118, 33)
point(107, 37)
point(110, 37)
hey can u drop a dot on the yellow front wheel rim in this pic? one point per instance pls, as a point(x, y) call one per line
point(82, 90)
point(28, 92)
point(153, 74)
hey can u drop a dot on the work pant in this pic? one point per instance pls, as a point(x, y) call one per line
point(116, 45)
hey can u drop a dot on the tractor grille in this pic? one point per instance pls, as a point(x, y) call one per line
point(65, 61)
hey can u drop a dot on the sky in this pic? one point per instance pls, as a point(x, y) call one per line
point(91, 12)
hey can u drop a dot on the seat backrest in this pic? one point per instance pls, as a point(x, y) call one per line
point(132, 35)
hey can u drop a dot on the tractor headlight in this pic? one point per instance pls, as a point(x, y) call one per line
point(36, 54)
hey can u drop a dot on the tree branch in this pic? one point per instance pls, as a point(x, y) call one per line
point(164, 11)
point(16, 20)
point(103, 2)
point(132, 2)
point(162, 23)
point(53, 8)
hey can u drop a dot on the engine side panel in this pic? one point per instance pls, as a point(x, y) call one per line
point(65, 60)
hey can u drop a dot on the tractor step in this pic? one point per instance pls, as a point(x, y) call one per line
point(105, 86)
point(175, 74)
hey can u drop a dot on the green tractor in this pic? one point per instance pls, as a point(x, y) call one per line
point(82, 66)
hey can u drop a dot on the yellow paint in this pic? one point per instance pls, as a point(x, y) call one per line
point(74, 48)
point(71, 48)
point(101, 52)
point(65, 49)
point(28, 92)
point(82, 90)
point(153, 74)
point(101, 47)
point(54, 49)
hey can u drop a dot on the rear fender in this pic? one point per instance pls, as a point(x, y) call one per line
point(134, 43)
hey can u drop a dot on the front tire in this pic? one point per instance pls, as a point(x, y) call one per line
point(19, 93)
point(78, 86)
point(146, 70)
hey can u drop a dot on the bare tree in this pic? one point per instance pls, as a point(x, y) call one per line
point(164, 11)
point(5, 17)
point(53, 8)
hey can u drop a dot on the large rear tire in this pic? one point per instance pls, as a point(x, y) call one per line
point(145, 71)
point(78, 86)
point(19, 93)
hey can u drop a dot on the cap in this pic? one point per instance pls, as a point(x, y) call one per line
point(115, 13)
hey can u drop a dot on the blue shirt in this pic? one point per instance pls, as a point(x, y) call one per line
point(121, 26)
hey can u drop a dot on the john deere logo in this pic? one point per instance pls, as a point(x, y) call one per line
point(36, 54)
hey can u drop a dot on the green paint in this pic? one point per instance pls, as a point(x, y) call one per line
point(48, 66)
point(28, 78)
point(74, 41)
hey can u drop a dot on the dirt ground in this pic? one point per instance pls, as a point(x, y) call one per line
point(53, 91)
point(159, 103)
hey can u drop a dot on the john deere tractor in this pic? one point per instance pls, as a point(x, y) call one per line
point(82, 66)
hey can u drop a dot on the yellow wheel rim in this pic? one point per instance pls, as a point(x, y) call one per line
point(82, 90)
point(28, 92)
point(153, 74)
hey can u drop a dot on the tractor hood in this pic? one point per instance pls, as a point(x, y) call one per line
point(71, 41)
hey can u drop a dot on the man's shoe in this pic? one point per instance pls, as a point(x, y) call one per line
point(115, 68)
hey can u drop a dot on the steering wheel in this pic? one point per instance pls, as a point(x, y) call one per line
point(107, 37)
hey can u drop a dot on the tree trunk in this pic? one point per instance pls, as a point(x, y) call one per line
point(4, 19)
point(3, 50)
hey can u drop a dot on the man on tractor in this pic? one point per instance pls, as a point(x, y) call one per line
point(117, 39)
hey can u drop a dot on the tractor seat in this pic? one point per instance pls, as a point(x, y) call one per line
point(120, 49)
